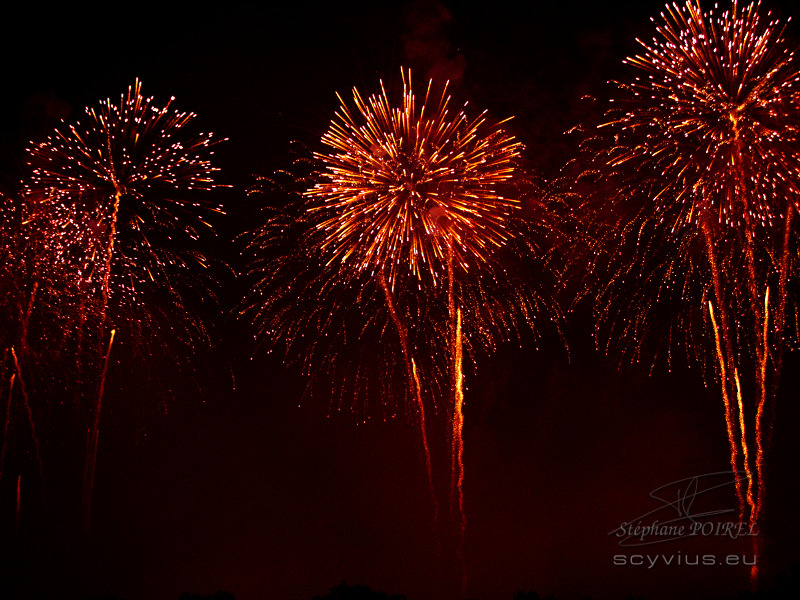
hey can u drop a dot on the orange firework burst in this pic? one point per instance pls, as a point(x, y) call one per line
point(405, 184)
point(395, 251)
point(704, 165)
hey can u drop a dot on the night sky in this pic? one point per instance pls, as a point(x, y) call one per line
point(228, 475)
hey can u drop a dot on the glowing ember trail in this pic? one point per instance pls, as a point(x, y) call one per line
point(457, 484)
point(29, 413)
point(19, 501)
point(728, 413)
point(745, 451)
point(94, 436)
point(760, 415)
point(413, 382)
point(6, 424)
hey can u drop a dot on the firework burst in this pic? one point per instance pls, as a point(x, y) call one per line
point(713, 116)
point(121, 187)
point(702, 160)
point(118, 196)
point(404, 186)
point(398, 240)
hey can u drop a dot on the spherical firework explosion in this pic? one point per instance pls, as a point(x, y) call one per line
point(714, 115)
point(405, 185)
point(121, 188)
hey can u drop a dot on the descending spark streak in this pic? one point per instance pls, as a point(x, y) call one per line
point(745, 450)
point(728, 414)
point(457, 484)
point(413, 382)
point(759, 503)
point(759, 417)
point(6, 424)
point(423, 427)
point(29, 413)
point(112, 236)
point(780, 318)
point(723, 357)
point(93, 439)
point(27, 319)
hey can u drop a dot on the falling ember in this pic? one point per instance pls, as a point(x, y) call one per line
point(413, 382)
point(728, 413)
point(457, 489)
point(29, 413)
point(745, 451)
point(426, 447)
point(93, 438)
point(6, 425)
point(760, 415)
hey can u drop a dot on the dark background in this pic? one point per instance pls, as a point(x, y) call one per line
point(239, 481)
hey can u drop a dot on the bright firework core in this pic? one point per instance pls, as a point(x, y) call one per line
point(404, 185)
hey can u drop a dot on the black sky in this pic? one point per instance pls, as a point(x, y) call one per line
point(239, 488)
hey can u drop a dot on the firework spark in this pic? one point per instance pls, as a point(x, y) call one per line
point(705, 161)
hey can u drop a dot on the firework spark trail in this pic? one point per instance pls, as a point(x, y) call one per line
point(18, 510)
point(761, 339)
point(783, 276)
point(760, 416)
point(112, 237)
point(29, 414)
point(427, 450)
point(93, 438)
point(759, 502)
point(457, 459)
point(27, 319)
point(745, 449)
point(456, 419)
point(7, 424)
point(414, 383)
point(734, 451)
point(724, 357)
